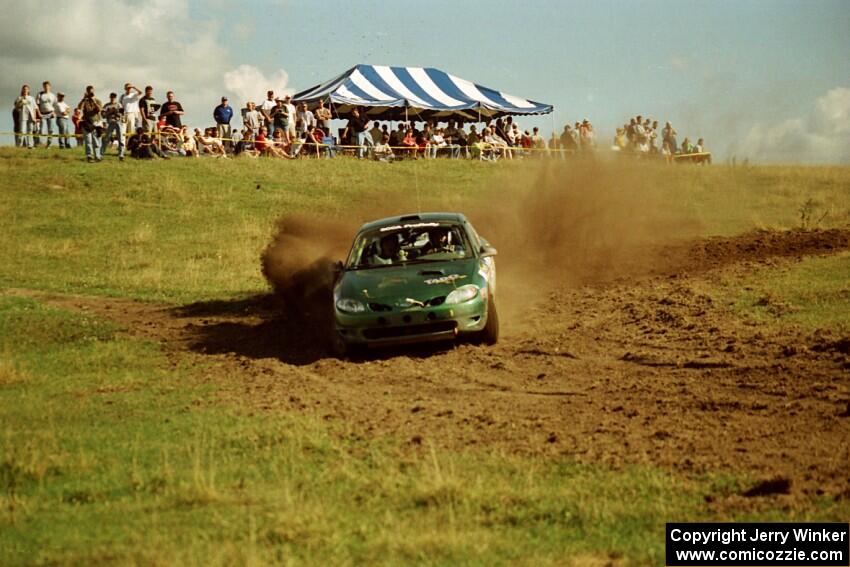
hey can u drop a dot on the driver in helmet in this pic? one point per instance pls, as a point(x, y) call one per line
point(439, 240)
point(388, 251)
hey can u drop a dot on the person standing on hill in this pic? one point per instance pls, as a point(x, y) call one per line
point(266, 111)
point(129, 102)
point(640, 137)
point(652, 132)
point(76, 121)
point(113, 113)
point(63, 120)
point(223, 114)
point(280, 119)
point(16, 124)
point(537, 141)
point(304, 120)
point(668, 135)
point(252, 120)
point(567, 141)
point(90, 122)
point(290, 110)
point(323, 117)
point(27, 115)
point(45, 100)
point(376, 133)
point(356, 132)
point(171, 111)
point(147, 108)
point(586, 135)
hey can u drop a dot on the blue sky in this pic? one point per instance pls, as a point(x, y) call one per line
point(765, 80)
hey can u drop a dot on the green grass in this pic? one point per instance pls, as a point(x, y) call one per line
point(113, 451)
point(731, 200)
point(178, 230)
point(813, 293)
point(109, 454)
point(188, 229)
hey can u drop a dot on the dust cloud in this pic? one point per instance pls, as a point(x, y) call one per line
point(299, 265)
point(568, 224)
point(555, 224)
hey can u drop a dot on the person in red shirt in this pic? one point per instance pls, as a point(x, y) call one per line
point(409, 142)
point(261, 143)
point(525, 142)
point(76, 120)
point(312, 142)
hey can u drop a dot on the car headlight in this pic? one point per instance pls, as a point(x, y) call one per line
point(461, 294)
point(350, 305)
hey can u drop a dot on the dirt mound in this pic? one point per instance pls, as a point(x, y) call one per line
point(758, 245)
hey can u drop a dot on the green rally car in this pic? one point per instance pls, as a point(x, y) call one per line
point(416, 278)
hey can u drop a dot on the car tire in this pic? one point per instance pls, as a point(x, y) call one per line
point(347, 351)
point(490, 334)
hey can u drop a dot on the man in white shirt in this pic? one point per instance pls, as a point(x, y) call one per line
point(383, 151)
point(305, 119)
point(63, 120)
point(537, 141)
point(266, 110)
point(252, 119)
point(437, 142)
point(640, 137)
point(290, 110)
point(129, 101)
point(45, 101)
point(27, 115)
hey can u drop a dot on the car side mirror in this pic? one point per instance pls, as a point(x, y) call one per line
point(338, 267)
point(487, 251)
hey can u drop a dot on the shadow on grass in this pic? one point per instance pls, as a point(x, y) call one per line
point(267, 326)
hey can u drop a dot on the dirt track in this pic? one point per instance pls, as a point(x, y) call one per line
point(644, 370)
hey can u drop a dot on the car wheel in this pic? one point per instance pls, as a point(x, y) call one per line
point(490, 334)
point(347, 351)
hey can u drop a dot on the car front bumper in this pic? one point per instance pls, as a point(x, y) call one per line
point(412, 325)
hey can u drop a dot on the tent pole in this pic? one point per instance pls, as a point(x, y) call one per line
point(554, 127)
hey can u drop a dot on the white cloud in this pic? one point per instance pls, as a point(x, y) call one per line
point(247, 83)
point(832, 113)
point(106, 43)
point(821, 137)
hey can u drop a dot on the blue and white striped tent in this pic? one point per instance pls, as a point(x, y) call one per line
point(395, 93)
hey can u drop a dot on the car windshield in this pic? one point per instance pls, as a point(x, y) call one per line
point(409, 243)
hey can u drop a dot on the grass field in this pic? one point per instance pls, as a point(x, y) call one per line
point(114, 451)
point(814, 293)
point(193, 229)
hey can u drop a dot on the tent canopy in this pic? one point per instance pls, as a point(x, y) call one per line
point(417, 93)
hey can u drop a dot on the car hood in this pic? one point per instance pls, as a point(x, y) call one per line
point(421, 282)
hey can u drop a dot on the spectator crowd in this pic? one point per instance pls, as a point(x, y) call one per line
point(641, 136)
point(136, 123)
